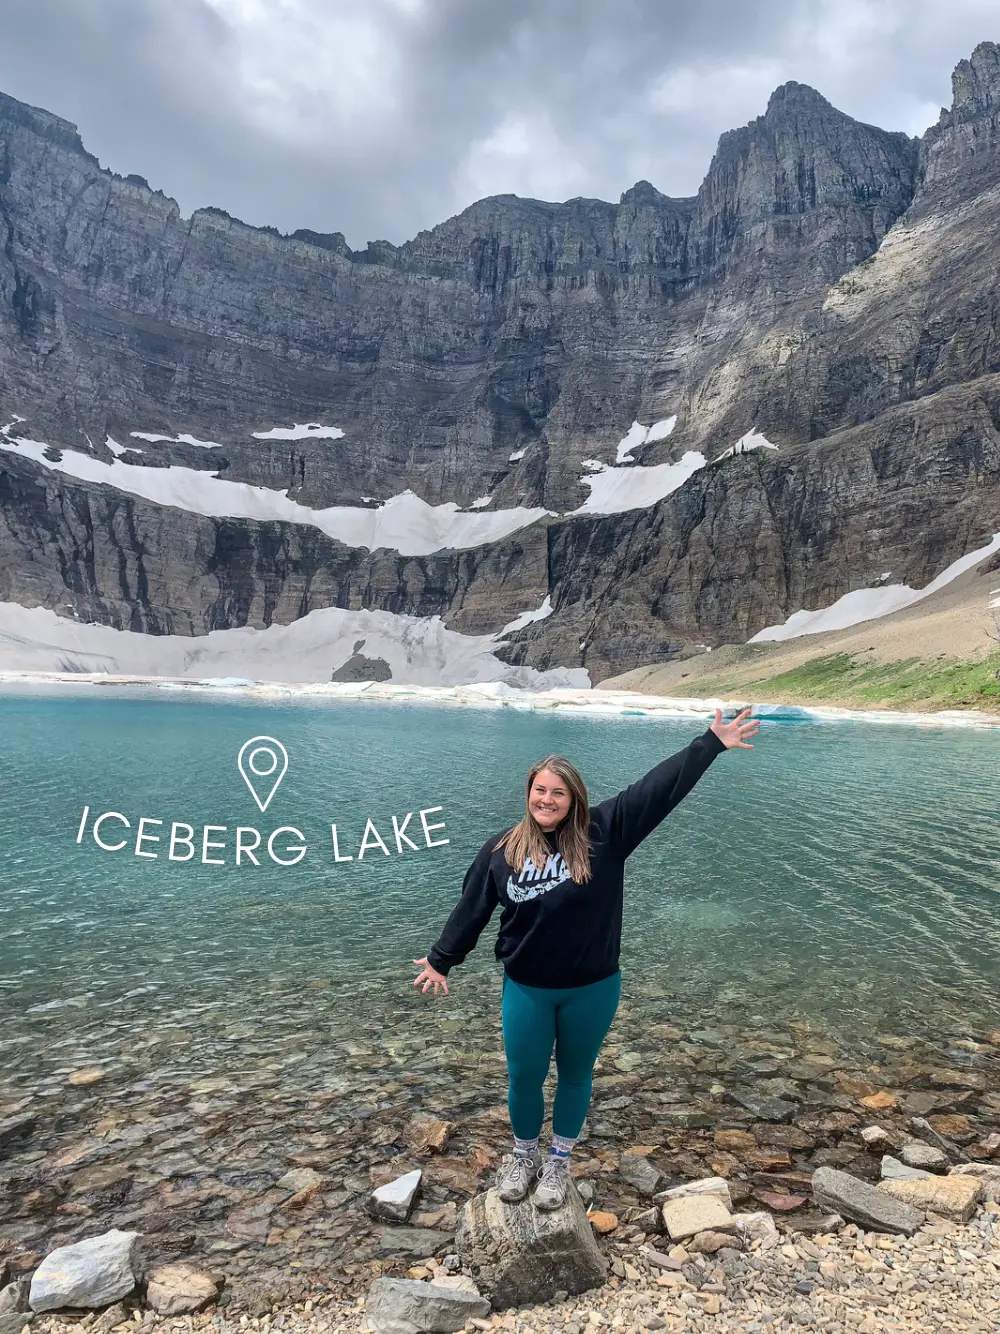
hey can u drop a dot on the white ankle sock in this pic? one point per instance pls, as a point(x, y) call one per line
point(562, 1146)
point(524, 1148)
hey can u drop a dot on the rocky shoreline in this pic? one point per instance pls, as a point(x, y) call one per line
point(264, 1169)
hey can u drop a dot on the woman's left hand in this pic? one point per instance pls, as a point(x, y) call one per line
point(735, 733)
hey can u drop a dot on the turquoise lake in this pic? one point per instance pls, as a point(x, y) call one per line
point(842, 876)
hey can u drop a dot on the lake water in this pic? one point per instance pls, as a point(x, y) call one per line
point(176, 1034)
point(844, 876)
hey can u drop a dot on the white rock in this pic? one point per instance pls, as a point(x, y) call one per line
point(690, 1214)
point(393, 1200)
point(717, 1186)
point(758, 1226)
point(94, 1273)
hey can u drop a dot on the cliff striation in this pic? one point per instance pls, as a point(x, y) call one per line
point(831, 286)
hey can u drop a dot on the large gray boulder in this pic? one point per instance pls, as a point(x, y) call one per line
point(93, 1273)
point(520, 1255)
point(406, 1306)
point(862, 1203)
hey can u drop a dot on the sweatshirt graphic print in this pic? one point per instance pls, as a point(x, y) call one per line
point(531, 881)
point(553, 931)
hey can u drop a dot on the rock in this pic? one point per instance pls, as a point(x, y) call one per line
point(883, 1101)
point(953, 1197)
point(690, 1214)
point(718, 1186)
point(894, 1170)
point(918, 1154)
point(299, 1179)
point(639, 1172)
point(520, 1255)
point(91, 1074)
point(12, 1323)
point(418, 1242)
point(875, 1138)
point(14, 1297)
point(660, 1261)
point(920, 1104)
point(406, 1306)
point(780, 1203)
point(763, 1107)
point(987, 1174)
point(602, 1222)
point(180, 1288)
point(427, 1134)
point(707, 1243)
point(861, 1203)
point(15, 1129)
point(394, 1200)
point(735, 1141)
point(758, 1226)
point(927, 1131)
point(90, 1273)
point(457, 1282)
point(949, 1124)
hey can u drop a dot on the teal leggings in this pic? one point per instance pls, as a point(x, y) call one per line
point(575, 1020)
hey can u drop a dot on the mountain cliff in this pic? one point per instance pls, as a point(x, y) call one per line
point(831, 288)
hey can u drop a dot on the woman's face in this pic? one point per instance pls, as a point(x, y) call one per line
point(549, 800)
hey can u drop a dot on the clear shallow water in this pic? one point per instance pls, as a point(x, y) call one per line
point(841, 879)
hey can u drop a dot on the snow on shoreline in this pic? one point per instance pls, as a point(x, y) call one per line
point(419, 650)
point(870, 604)
point(575, 701)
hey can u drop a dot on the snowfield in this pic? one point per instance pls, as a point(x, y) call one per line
point(868, 604)
point(404, 523)
point(419, 650)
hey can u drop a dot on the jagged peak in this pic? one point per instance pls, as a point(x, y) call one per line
point(642, 193)
point(794, 96)
point(975, 83)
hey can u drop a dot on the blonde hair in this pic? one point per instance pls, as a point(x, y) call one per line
point(527, 838)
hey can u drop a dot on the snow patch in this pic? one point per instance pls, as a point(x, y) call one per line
point(751, 440)
point(308, 431)
point(614, 489)
point(174, 440)
point(405, 523)
point(419, 651)
point(117, 449)
point(869, 604)
point(637, 435)
point(481, 503)
point(527, 617)
point(518, 454)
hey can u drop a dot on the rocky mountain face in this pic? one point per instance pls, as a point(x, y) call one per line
point(832, 286)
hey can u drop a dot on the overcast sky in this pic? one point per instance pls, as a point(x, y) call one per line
point(380, 117)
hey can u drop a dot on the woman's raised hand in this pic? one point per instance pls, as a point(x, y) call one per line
point(735, 733)
point(430, 977)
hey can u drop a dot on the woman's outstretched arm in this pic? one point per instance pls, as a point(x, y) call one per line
point(636, 811)
point(468, 918)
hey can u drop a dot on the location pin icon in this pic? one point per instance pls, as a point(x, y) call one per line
point(261, 761)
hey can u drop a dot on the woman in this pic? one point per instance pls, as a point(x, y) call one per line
point(558, 875)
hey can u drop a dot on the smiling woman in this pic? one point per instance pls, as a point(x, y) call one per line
point(559, 876)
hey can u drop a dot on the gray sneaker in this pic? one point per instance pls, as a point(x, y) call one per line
point(514, 1175)
point(553, 1183)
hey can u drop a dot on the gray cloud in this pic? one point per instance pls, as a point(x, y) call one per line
point(380, 117)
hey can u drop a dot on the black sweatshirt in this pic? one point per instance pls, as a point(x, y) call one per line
point(553, 931)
